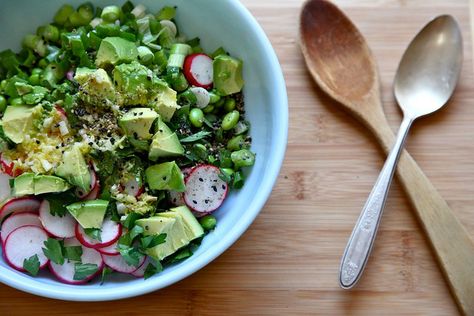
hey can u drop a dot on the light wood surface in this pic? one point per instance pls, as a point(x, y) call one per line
point(287, 262)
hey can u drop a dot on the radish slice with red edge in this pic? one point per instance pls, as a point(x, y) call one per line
point(110, 233)
point(19, 205)
point(23, 243)
point(94, 194)
point(58, 226)
point(65, 272)
point(94, 183)
point(110, 250)
point(140, 272)
point(119, 264)
point(5, 189)
point(133, 188)
point(198, 70)
point(205, 190)
point(19, 220)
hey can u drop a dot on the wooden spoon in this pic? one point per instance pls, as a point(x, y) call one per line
point(342, 64)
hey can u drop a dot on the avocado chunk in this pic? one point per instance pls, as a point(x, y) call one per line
point(96, 85)
point(227, 75)
point(165, 176)
point(89, 214)
point(177, 229)
point(191, 225)
point(49, 184)
point(134, 82)
point(74, 168)
point(167, 146)
point(115, 50)
point(18, 121)
point(23, 184)
point(164, 102)
point(138, 121)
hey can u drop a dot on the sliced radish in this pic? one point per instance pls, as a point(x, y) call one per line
point(19, 205)
point(5, 189)
point(65, 272)
point(18, 220)
point(109, 250)
point(132, 187)
point(198, 70)
point(94, 183)
point(205, 191)
point(94, 194)
point(140, 272)
point(23, 243)
point(177, 198)
point(62, 227)
point(119, 264)
point(110, 233)
point(202, 96)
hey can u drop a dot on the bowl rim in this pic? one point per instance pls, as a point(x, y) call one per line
point(273, 170)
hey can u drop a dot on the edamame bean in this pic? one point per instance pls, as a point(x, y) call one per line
point(34, 79)
point(200, 150)
point(208, 109)
point(3, 103)
point(242, 158)
point(3, 84)
point(218, 104)
point(196, 117)
point(236, 143)
point(229, 104)
point(229, 120)
point(208, 222)
point(213, 97)
point(35, 71)
point(16, 101)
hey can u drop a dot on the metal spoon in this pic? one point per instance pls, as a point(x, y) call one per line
point(425, 80)
point(340, 62)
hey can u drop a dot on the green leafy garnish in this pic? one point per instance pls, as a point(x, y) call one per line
point(130, 220)
point(181, 255)
point(195, 137)
point(32, 265)
point(105, 272)
point(84, 270)
point(152, 269)
point(73, 253)
point(135, 231)
point(54, 250)
point(131, 255)
point(112, 212)
point(152, 241)
point(93, 233)
point(58, 203)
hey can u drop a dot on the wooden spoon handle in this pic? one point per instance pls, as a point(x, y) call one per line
point(452, 244)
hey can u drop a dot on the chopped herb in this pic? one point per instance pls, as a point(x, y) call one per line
point(152, 241)
point(152, 269)
point(105, 272)
point(32, 265)
point(111, 211)
point(195, 137)
point(181, 255)
point(73, 253)
point(131, 255)
point(129, 222)
point(94, 233)
point(84, 270)
point(54, 250)
point(135, 231)
point(58, 202)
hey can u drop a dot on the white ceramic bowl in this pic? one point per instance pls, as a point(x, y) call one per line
point(218, 23)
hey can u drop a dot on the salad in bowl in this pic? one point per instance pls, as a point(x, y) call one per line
point(119, 138)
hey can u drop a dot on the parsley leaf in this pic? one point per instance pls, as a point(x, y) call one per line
point(73, 253)
point(152, 241)
point(129, 222)
point(135, 231)
point(152, 269)
point(112, 212)
point(58, 203)
point(54, 250)
point(84, 270)
point(131, 255)
point(195, 137)
point(94, 233)
point(32, 265)
point(105, 272)
point(181, 255)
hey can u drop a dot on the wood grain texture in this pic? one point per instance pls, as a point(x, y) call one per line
point(287, 263)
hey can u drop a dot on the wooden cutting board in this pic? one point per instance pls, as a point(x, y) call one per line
point(287, 263)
